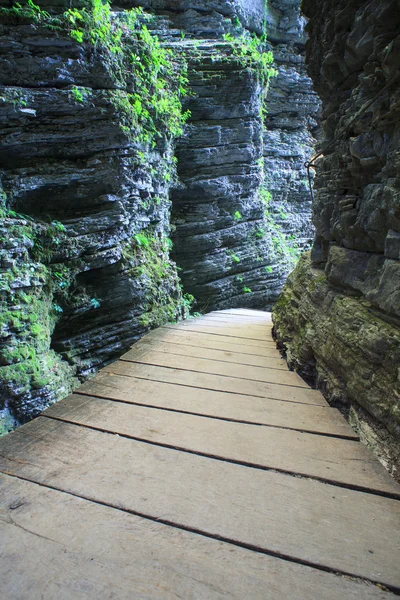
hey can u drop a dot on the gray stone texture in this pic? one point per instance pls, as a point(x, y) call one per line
point(353, 58)
point(94, 290)
point(230, 151)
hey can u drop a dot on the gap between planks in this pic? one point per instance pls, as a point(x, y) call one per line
point(211, 367)
point(341, 436)
point(203, 340)
point(156, 552)
point(168, 346)
point(247, 506)
point(214, 382)
point(209, 331)
point(183, 398)
point(291, 452)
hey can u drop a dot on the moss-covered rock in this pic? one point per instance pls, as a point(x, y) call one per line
point(85, 206)
point(342, 342)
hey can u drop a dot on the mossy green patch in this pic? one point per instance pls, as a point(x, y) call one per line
point(147, 260)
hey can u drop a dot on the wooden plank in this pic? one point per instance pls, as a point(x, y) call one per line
point(231, 321)
point(58, 546)
point(333, 527)
point(144, 355)
point(319, 456)
point(256, 317)
point(252, 334)
point(237, 358)
point(243, 312)
point(218, 383)
point(212, 342)
point(262, 411)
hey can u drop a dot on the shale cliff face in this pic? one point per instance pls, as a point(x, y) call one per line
point(242, 212)
point(93, 163)
point(87, 159)
point(339, 315)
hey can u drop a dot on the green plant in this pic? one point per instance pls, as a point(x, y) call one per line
point(260, 233)
point(29, 11)
point(153, 109)
point(252, 54)
point(247, 290)
point(265, 196)
point(189, 300)
point(234, 256)
point(237, 216)
point(80, 94)
point(142, 239)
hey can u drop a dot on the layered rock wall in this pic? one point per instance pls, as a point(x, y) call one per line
point(291, 125)
point(86, 174)
point(242, 213)
point(339, 315)
point(91, 117)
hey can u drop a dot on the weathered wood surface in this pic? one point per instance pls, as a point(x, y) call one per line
point(166, 480)
point(228, 334)
point(236, 407)
point(218, 383)
point(211, 342)
point(146, 355)
point(54, 545)
point(325, 457)
point(193, 351)
point(304, 519)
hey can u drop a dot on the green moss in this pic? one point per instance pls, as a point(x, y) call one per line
point(36, 372)
point(153, 109)
point(146, 258)
point(7, 423)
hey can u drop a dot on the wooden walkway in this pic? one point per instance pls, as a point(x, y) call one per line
point(196, 467)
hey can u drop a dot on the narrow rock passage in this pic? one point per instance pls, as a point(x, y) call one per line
point(196, 466)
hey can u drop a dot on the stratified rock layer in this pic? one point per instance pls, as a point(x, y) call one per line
point(85, 266)
point(339, 316)
point(86, 259)
point(290, 125)
point(243, 210)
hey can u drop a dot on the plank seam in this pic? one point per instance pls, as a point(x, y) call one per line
point(196, 387)
point(218, 316)
point(323, 480)
point(154, 348)
point(236, 337)
point(214, 536)
point(217, 323)
point(340, 436)
point(168, 340)
point(150, 364)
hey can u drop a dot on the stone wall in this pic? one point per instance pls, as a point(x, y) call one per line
point(242, 213)
point(88, 179)
point(338, 317)
point(85, 208)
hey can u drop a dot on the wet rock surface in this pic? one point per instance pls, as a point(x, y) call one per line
point(339, 316)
